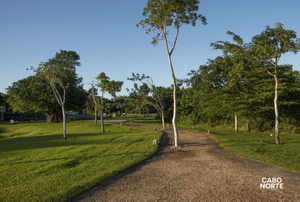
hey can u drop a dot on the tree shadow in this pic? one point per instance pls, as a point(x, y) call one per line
point(55, 140)
point(73, 161)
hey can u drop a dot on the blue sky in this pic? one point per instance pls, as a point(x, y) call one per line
point(105, 35)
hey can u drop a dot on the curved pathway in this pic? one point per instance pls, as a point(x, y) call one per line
point(199, 170)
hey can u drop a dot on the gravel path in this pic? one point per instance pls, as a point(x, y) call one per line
point(200, 170)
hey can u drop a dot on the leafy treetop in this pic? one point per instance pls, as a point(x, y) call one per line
point(163, 13)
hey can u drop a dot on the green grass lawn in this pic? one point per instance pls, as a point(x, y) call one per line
point(149, 120)
point(249, 145)
point(36, 164)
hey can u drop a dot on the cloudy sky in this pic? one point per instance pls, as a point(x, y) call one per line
point(105, 35)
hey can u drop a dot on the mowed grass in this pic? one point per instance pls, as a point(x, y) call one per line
point(259, 146)
point(149, 120)
point(37, 164)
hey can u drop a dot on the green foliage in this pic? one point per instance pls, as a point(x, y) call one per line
point(227, 86)
point(139, 93)
point(37, 165)
point(108, 86)
point(35, 93)
point(3, 98)
point(273, 42)
point(59, 71)
point(161, 14)
point(32, 94)
point(162, 97)
point(264, 52)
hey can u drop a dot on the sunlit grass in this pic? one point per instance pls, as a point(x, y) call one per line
point(260, 146)
point(36, 164)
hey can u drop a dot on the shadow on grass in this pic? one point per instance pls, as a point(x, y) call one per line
point(56, 140)
point(73, 161)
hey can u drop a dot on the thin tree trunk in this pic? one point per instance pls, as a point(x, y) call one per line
point(62, 104)
point(48, 117)
point(95, 122)
point(176, 137)
point(276, 108)
point(236, 123)
point(64, 121)
point(157, 115)
point(95, 107)
point(102, 122)
point(248, 124)
point(163, 118)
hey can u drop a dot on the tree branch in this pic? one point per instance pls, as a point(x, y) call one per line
point(278, 58)
point(272, 60)
point(264, 67)
point(60, 83)
point(175, 40)
point(56, 93)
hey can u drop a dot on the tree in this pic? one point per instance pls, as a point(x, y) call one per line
point(158, 97)
point(3, 103)
point(95, 101)
point(32, 94)
point(159, 16)
point(215, 92)
point(90, 104)
point(107, 86)
point(121, 103)
point(2, 99)
point(267, 49)
point(56, 72)
point(139, 93)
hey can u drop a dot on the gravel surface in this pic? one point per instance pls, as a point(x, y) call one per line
point(198, 170)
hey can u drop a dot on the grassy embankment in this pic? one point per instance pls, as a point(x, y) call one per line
point(36, 164)
point(250, 145)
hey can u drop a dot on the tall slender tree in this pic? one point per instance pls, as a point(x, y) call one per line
point(111, 87)
point(160, 15)
point(95, 101)
point(268, 47)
